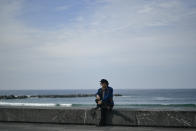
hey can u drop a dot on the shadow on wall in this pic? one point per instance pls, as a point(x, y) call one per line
point(115, 116)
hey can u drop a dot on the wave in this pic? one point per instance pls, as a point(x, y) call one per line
point(89, 105)
point(143, 105)
point(126, 96)
point(159, 105)
point(162, 98)
point(34, 104)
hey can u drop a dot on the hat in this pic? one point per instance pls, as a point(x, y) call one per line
point(104, 81)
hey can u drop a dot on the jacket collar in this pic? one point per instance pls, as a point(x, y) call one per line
point(105, 88)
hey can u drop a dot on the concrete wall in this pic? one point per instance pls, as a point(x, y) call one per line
point(123, 117)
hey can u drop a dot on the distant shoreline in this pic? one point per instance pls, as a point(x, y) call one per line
point(96, 89)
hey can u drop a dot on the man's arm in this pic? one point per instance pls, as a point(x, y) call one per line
point(97, 95)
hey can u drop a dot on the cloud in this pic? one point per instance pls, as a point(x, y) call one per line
point(62, 8)
point(115, 35)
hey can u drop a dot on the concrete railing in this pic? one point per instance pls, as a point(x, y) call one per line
point(122, 117)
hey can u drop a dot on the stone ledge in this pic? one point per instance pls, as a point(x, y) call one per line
point(85, 116)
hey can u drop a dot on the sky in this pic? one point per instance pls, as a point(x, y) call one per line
point(72, 44)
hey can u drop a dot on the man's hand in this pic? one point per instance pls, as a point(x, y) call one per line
point(98, 97)
point(99, 102)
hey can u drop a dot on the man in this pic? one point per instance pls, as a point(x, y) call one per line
point(104, 99)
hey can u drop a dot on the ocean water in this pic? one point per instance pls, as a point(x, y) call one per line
point(131, 98)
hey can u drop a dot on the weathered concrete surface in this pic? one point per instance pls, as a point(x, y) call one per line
point(12, 126)
point(122, 117)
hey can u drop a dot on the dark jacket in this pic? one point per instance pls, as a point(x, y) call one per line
point(108, 96)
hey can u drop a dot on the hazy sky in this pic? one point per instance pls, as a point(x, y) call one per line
point(72, 44)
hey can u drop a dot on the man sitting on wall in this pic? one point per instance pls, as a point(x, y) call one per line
point(104, 99)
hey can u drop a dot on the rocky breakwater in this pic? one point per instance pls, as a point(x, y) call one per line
point(48, 96)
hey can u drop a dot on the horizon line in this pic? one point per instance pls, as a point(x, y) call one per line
point(98, 88)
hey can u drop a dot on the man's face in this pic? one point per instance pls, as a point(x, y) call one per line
point(103, 85)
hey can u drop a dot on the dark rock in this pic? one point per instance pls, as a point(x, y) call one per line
point(50, 96)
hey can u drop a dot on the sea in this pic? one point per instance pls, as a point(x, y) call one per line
point(131, 98)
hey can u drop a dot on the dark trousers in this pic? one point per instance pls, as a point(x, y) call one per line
point(104, 109)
